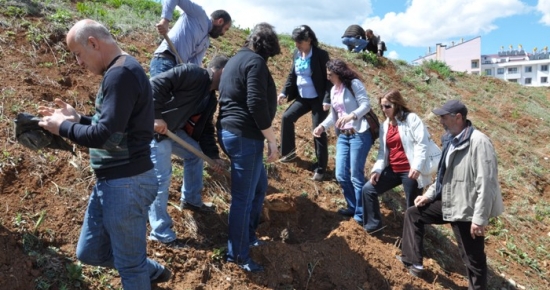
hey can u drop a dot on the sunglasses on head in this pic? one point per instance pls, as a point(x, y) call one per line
point(386, 106)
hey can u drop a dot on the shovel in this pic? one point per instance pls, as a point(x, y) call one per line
point(195, 151)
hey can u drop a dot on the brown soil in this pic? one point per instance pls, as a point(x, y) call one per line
point(308, 245)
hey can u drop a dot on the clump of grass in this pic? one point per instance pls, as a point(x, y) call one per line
point(440, 67)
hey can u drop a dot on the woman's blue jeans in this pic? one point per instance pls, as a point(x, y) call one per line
point(351, 155)
point(248, 188)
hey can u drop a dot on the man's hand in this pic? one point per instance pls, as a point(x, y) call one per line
point(477, 231)
point(272, 152)
point(421, 200)
point(374, 178)
point(54, 117)
point(52, 123)
point(326, 107)
point(281, 99)
point(160, 126)
point(162, 26)
point(64, 109)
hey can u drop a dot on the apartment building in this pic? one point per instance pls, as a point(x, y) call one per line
point(529, 69)
point(513, 65)
point(463, 56)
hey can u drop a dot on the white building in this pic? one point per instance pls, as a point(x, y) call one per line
point(519, 67)
point(462, 57)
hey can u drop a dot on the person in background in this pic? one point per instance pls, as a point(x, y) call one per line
point(118, 135)
point(308, 86)
point(354, 38)
point(185, 102)
point(374, 44)
point(401, 158)
point(247, 106)
point(349, 104)
point(190, 34)
point(466, 194)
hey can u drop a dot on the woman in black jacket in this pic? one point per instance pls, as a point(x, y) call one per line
point(248, 101)
point(308, 86)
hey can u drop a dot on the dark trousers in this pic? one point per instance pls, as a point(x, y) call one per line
point(388, 180)
point(472, 251)
point(373, 48)
point(288, 137)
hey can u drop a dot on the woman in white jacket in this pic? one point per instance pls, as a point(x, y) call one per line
point(349, 104)
point(401, 158)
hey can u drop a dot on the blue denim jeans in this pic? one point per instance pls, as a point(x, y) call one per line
point(387, 180)
point(248, 188)
point(351, 155)
point(114, 230)
point(159, 65)
point(357, 44)
point(161, 152)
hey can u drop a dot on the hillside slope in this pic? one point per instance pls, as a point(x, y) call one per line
point(44, 194)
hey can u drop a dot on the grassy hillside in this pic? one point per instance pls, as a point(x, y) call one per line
point(44, 194)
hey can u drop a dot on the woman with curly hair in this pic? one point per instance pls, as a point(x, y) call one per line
point(349, 104)
point(248, 101)
point(308, 86)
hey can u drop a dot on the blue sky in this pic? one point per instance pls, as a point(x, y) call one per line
point(407, 26)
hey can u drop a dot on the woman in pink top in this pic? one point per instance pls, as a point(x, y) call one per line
point(349, 104)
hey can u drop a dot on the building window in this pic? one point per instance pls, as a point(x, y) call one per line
point(528, 69)
point(500, 71)
point(544, 67)
point(475, 64)
point(543, 80)
point(488, 71)
point(527, 81)
point(512, 70)
point(513, 80)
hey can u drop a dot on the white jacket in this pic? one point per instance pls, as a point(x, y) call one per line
point(414, 137)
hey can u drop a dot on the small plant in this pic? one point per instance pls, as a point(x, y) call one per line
point(371, 58)
point(218, 254)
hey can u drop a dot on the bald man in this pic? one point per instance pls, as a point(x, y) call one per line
point(119, 135)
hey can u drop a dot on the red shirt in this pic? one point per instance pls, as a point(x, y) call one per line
point(397, 156)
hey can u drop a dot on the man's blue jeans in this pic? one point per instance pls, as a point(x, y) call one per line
point(387, 180)
point(115, 226)
point(357, 44)
point(248, 188)
point(161, 152)
point(159, 65)
point(351, 155)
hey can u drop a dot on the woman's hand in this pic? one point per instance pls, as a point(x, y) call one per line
point(318, 131)
point(414, 174)
point(272, 152)
point(374, 178)
point(281, 99)
point(326, 107)
point(344, 120)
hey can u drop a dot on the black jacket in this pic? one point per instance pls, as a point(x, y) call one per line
point(248, 97)
point(319, 59)
point(182, 92)
point(355, 31)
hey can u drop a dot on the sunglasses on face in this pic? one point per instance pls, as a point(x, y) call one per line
point(386, 106)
